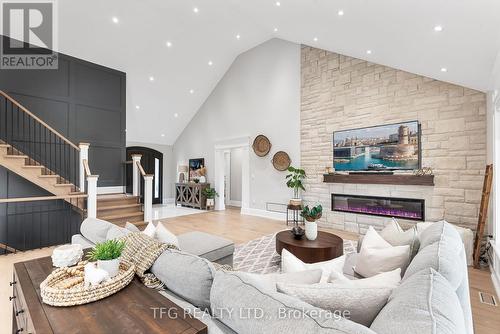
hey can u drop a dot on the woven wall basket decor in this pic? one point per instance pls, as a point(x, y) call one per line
point(281, 161)
point(261, 145)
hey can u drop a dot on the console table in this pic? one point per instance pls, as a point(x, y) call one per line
point(131, 310)
point(190, 194)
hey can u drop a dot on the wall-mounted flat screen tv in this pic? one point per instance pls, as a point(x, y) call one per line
point(384, 147)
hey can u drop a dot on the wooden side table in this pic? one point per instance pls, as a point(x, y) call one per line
point(327, 246)
point(293, 214)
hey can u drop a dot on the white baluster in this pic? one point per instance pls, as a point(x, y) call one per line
point(148, 198)
point(92, 196)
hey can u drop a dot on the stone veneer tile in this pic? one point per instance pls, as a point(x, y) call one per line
point(340, 92)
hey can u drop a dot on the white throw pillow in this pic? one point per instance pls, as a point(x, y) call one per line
point(396, 236)
point(131, 227)
point(290, 263)
point(378, 256)
point(390, 279)
point(162, 234)
point(268, 281)
point(150, 230)
point(363, 304)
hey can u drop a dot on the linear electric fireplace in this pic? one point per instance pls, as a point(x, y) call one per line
point(405, 208)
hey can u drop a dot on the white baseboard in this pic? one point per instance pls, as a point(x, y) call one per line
point(496, 282)
point(264, 213)
point(234, 203)
point(110, 190)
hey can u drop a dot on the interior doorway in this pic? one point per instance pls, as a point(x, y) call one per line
point(233, 176)
point(152, 162)
point(232, 173)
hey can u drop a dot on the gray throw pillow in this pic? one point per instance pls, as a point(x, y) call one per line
point(95, 229)
point(268, 281)
point(131, 227)
point(434, 232)
point(116, 232)
point(362, 304)
point(186, 275)
point(239, 303)
point(425, 303)
point(445, 256)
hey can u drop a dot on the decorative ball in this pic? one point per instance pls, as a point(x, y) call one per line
point(67, 255)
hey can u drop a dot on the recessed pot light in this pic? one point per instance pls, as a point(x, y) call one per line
point(275, 29)
point(315, 39)
point(210, 63)
point(369, 52)
point(438, 28)
point(238, 36)
point(163, 135)
point(137, 107)
point(340, 12)
point(115, 19)
point(169, 44)
point(444, 69)
point(151, 78)
point(196, 10)
point(176, 115)
point(278, 3)
point(191, 91)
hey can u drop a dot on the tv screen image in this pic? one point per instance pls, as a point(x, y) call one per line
point(384, 147)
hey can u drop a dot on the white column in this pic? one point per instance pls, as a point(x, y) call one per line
point(84, 155)
point(92, 196)
point(136, 178)
point(148, 198)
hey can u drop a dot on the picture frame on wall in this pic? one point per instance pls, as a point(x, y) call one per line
point(197, 169)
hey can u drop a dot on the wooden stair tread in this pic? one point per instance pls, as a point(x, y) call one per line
point(123, 215)
point(5, 145)
point(114, 197)
point(63, 185)
point(115, 207)
point(33, 166)
point(14, 156)
point(47, 176)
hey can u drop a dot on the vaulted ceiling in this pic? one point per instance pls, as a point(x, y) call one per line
point(173, 42)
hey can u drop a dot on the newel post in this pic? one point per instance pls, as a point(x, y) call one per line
point(135, 174)
point(92, 196)
point(84, 155)
point(148, 198)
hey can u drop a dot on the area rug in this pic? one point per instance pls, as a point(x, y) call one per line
point(259, 255)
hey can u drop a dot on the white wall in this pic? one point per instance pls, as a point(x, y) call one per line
point(169, 168)
point(259, 94)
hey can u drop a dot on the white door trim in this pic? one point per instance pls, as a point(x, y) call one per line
point(220, 147)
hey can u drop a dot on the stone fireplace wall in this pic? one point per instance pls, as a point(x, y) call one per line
point(340, 92)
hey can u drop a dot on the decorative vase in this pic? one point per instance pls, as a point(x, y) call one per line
point(311, 230)
point(295, 201)
point(210, 202)
point(298, 232)
point(67, 255)
point(111, 266)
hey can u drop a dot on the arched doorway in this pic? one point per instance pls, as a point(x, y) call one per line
point(152, 162)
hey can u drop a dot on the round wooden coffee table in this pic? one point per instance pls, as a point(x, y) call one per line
point(327, 246)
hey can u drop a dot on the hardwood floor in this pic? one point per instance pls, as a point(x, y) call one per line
point(240, 228)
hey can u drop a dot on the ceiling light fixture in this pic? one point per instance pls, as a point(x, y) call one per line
point(238, 36)
point(340, 12)
point(169, 44)
point(137, 107)
point(163, 135)
point(278, 3)
point(115, 19)
point(275, 29)
point(444, 69)
point(191, 91)
point(151, 78)
point(176, 115)
point(210, 63)
point(315, 39)
point(438, 28)
point(368, 52)
point(196, 10)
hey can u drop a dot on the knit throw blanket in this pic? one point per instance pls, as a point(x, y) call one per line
point(142, 251)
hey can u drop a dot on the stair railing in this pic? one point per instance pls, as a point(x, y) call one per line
point(91, 189)
point(28, 135)
point(137, 172)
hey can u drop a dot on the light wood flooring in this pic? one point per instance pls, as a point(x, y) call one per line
point(240, 228)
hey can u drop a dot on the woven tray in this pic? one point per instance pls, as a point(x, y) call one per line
point(65, 286)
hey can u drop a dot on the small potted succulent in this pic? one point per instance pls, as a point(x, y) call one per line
point(107, 254)
point(210, 194)
point(311, 215)
point(294, 181)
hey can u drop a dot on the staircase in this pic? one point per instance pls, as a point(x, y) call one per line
point(119, 209)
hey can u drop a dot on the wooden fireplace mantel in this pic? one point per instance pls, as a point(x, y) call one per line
point(399, 179)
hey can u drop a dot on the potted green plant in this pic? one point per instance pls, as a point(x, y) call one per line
point(210, 194)
point(311, 215)
point(294, 181)
point(107, 254)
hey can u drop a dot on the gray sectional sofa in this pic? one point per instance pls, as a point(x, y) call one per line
point(433, 296)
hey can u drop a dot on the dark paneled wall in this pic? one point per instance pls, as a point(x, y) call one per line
point(85, 102)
